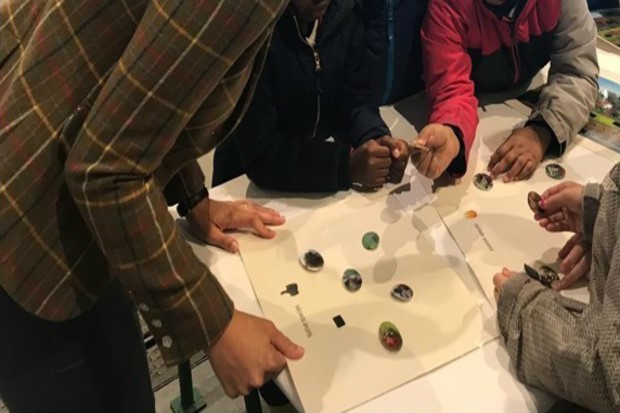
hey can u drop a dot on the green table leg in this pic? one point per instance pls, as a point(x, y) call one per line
point(190, 401)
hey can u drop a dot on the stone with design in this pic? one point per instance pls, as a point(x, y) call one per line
point(483, 182)
point(312, 260)
point(402, 292)
point(555, 171)
point(548, 275)
point(352, 280)
point(533, 200)
point(390, 336)
point(370, 240)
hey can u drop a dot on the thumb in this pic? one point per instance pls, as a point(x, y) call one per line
point(219, 239)
point(285, 346)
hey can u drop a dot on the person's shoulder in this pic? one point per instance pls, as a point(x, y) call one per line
point(457, 5)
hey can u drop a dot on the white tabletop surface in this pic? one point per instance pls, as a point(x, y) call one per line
point(481, 381)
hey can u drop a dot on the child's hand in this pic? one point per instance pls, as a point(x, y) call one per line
point(370, 165)
point(499, 280)
point(562, 206)
point(520, 153)
point(443, 147)
point(575, 261)
point(399, 152)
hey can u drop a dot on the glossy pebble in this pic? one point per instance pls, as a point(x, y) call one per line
point(555, 171)
point(533, 200)
point(352, 280)
point(483, 182)
point(402, 292)
point(390, 336)
point(370, 240)
point(312, 260)
point(548, 275)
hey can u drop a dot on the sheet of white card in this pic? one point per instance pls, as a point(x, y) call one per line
point(504, 233)
point(344, 367)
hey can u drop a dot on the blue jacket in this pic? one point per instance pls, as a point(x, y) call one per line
point(299, 103)
point(393, 39)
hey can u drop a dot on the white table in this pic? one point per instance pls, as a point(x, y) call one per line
point(480, 381)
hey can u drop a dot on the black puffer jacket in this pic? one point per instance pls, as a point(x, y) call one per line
point(300, 102)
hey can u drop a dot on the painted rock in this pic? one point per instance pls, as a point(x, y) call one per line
point(312, 260)
point(483, 182)
point(402, 292)
point(390, 336)
point(548, 275)
point(370, 240)
point(352, 280)
point(555, 171)
point(533, 200)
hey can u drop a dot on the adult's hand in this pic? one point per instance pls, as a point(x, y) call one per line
point(249, 353)
point(210, 219)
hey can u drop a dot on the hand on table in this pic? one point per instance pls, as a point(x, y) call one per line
point(399, 154)
point(209, 220)
point(443, 147)
point(249, 353)
point(499, 280)
point(370, 165)
point(520, 153)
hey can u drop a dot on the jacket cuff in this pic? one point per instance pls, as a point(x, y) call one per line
point(184, 184)
point(591, 201)
point(555, 148)
point(344, 168)
point(508, 299)
point(544, 117)
point(458, 166)
point(194, 326)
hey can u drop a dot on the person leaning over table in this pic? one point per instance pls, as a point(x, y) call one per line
point(558, 344)
point(104, 107)
point(315, 86)
point(472, 46)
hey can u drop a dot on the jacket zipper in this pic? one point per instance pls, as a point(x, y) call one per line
point(389, 83)
point(515, 53)
point(317, 71)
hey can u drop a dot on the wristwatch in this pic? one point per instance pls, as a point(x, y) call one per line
point(184, 207)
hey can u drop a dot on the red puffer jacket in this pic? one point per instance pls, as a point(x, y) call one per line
point(468, 49)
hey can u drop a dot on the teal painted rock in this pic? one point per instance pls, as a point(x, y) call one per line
point(390, 336)
point(370, 241)
point(352, 280)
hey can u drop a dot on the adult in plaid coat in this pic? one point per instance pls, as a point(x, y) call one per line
point(104, 107)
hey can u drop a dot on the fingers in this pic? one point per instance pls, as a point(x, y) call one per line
point(577, 272)
point(563, 253)
point(270, 216)
point(392, 144)
point(506, 161)
point(498, 155)
point(218, 238)
point(527, 171)
point(573, 257)
point(564, 195)
point(377, 150)
point(515, 170)
point(557, 189)
point(285, 346)
point(259, 227)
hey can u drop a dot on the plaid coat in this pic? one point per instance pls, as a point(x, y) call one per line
point(104, 107)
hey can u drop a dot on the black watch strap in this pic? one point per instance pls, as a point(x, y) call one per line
point(184, 207)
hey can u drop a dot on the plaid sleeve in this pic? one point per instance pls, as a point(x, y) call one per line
point(188, 181)
point(175, 63)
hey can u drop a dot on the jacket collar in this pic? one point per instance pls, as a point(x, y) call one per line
point(337, 12)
